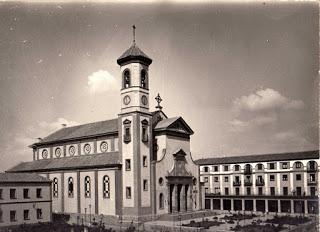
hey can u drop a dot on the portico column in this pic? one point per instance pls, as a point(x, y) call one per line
point(190, 200)
point(182, 199)
point(266, 206)
point(279, 206)
point(292, 206)
point(254, 205)
point(231, 206)
point(305, 207)
point(174, 198)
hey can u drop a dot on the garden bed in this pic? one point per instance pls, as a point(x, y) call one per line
point(204, 224)
point(258, 228)
point(289, 220)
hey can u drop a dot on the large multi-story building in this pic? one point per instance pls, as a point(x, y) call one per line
point(24, 199)
point(286, 182)
point(137, 166)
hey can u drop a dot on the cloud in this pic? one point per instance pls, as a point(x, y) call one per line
point(264, 100)
point(102, 81)
point(240, 125)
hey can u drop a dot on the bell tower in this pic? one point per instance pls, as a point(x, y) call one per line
point(135, 135)
point(134, 67)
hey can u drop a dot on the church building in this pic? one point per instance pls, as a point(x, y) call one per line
point(137, 166)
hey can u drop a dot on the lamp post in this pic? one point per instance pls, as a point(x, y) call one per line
point(85, 215)
point(90, 214)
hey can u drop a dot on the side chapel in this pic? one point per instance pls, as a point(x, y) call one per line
point(137, 166)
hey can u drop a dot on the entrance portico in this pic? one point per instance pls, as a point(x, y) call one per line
point(179, 185)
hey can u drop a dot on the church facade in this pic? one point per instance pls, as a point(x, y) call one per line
point(136, 166)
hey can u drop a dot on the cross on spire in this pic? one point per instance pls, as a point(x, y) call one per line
point(134, 34)
point(159, 100)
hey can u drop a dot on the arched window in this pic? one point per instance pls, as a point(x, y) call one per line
point(144, 79)
point(161, 201)
point(87, 186)
point(70, 187)
point(312, 166)
point(126, 79)
point(106, 187)
point(259, 167)
point(247, 169)
point(55, 187)
point(298, 165)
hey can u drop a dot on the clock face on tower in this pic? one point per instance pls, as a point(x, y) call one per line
point(144, 100)
point(126, 100)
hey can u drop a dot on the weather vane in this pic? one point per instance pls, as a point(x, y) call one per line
point(134, 34)
point(159, 100)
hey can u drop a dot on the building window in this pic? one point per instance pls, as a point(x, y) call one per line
point(72, 150)
point(144, 126)
point(206, 190)
point(260, 191)
point(12, 215)
point(298, 165)
point(55, 187)
point(1, 194)
point(87, 149)
point(39, 213)
point(215, 168)
point(216, 179)
point(284, 177)
point(58, 152)
point(145, 185)
point(144, 79)
point(26, 214)
point(226, 179)
point(237, 168)
point(272, 166)
point(45, 153)
point(272, 191)
point(298, 191)
point(160, 181)
point(127, 131)
point(128, 164)
point(106, 187)
point(104, 146)
point(70, 187)
point(226, 191)
point(312, 177)
point(284, 165)
point(206, 179)
point(298, 177)
point(1, 215)
point(26, 193)
point(237, 191)
point(13, 194)
point(144, 161)
point(312, 191)
point(272, 178)
point(285, 191)
point(128, 192)
point(161, 201)
point(206, 169)
point(260, 166)
point(248, 191)
point(87, 187)
point(226, 168)
point(126, 79)
point(39, 192)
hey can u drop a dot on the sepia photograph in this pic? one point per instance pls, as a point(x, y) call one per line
point(159, 116)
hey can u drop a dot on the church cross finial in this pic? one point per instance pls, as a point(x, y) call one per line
point(134, 34)
point(159, 100)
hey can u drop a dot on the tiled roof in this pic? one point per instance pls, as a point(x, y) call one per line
point(82, 131)
point(77, 162)
point(21, 177)
point(260, 158)
point(134, 53)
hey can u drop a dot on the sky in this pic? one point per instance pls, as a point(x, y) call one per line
point(243, 75)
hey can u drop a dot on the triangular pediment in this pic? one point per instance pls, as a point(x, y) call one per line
point(180, 126)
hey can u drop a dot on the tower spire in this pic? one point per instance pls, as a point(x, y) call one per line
point(134, 34)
